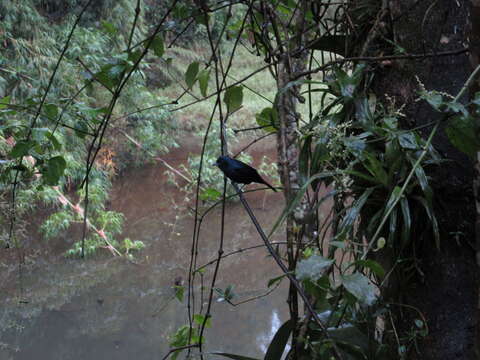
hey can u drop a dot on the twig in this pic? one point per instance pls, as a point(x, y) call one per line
point(290, 276)
point(251, 143)
point(178, 349)
point(237, 252)
point(379, 59)
point(167, 165)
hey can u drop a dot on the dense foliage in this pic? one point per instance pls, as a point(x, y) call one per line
point(75, 111)
point(46, 141)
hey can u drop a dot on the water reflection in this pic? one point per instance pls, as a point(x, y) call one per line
point(104, 308)
point(264, 340)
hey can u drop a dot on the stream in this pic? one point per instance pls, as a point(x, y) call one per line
point(107, 307)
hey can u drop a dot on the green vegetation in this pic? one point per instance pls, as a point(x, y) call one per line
point(85, 98)
point(50, 147)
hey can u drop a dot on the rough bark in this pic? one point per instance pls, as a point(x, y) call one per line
point(447, 294)
point(475, 61)
point(288, 142)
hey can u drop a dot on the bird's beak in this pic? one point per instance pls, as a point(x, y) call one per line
point(215, 164)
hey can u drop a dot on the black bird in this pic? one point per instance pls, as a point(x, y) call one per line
point(240, 172)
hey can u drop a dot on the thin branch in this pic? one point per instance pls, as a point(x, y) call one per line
point(251, 143)
point(284, 269)
point(379, 59)
point(178, 349)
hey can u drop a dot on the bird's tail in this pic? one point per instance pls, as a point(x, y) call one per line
point(270, 186)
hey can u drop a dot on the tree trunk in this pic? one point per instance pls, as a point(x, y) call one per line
point(447, 292)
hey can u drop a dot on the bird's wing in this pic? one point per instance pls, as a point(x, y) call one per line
point(244, 175)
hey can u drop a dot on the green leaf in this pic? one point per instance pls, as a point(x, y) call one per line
point(210, 194)
point(353, 213)
point(419, 323)
point(298, 197)
point(54, 170)
point(359, 286)
point(407, 220)
point(361, 175)
point(115, 71)
point(304, 159)
point(133, 56)
point(233, 356)
point(462, 131)
point(433, 220)
point(109, 28)
point(320, 154)
point(423, 181)
point(268, 119)
point(338, 244)
point(200, 319)
point(275, 280)
point(362, 112)
point(408, 141)
point(21, 148)
point(191, 74)
point(374, 166)
point(158, 46)
point(392, 230)
point(51, 111)
point(434, 98)
point(277, 346)
point(105, 78)
point(353, 342)
point(203, 78)
point(56, 144)
point(179, 292)
point(376, 268)
point(38, 134)
point(202, 18)
point(233, 98)
point(331, 43)
point(355, 144)
point(394, 196)
point(312, 268)
point(4, 102)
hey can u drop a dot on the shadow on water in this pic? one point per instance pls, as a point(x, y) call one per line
point(110, 308)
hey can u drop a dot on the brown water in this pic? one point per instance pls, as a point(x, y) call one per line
point(110, 308)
